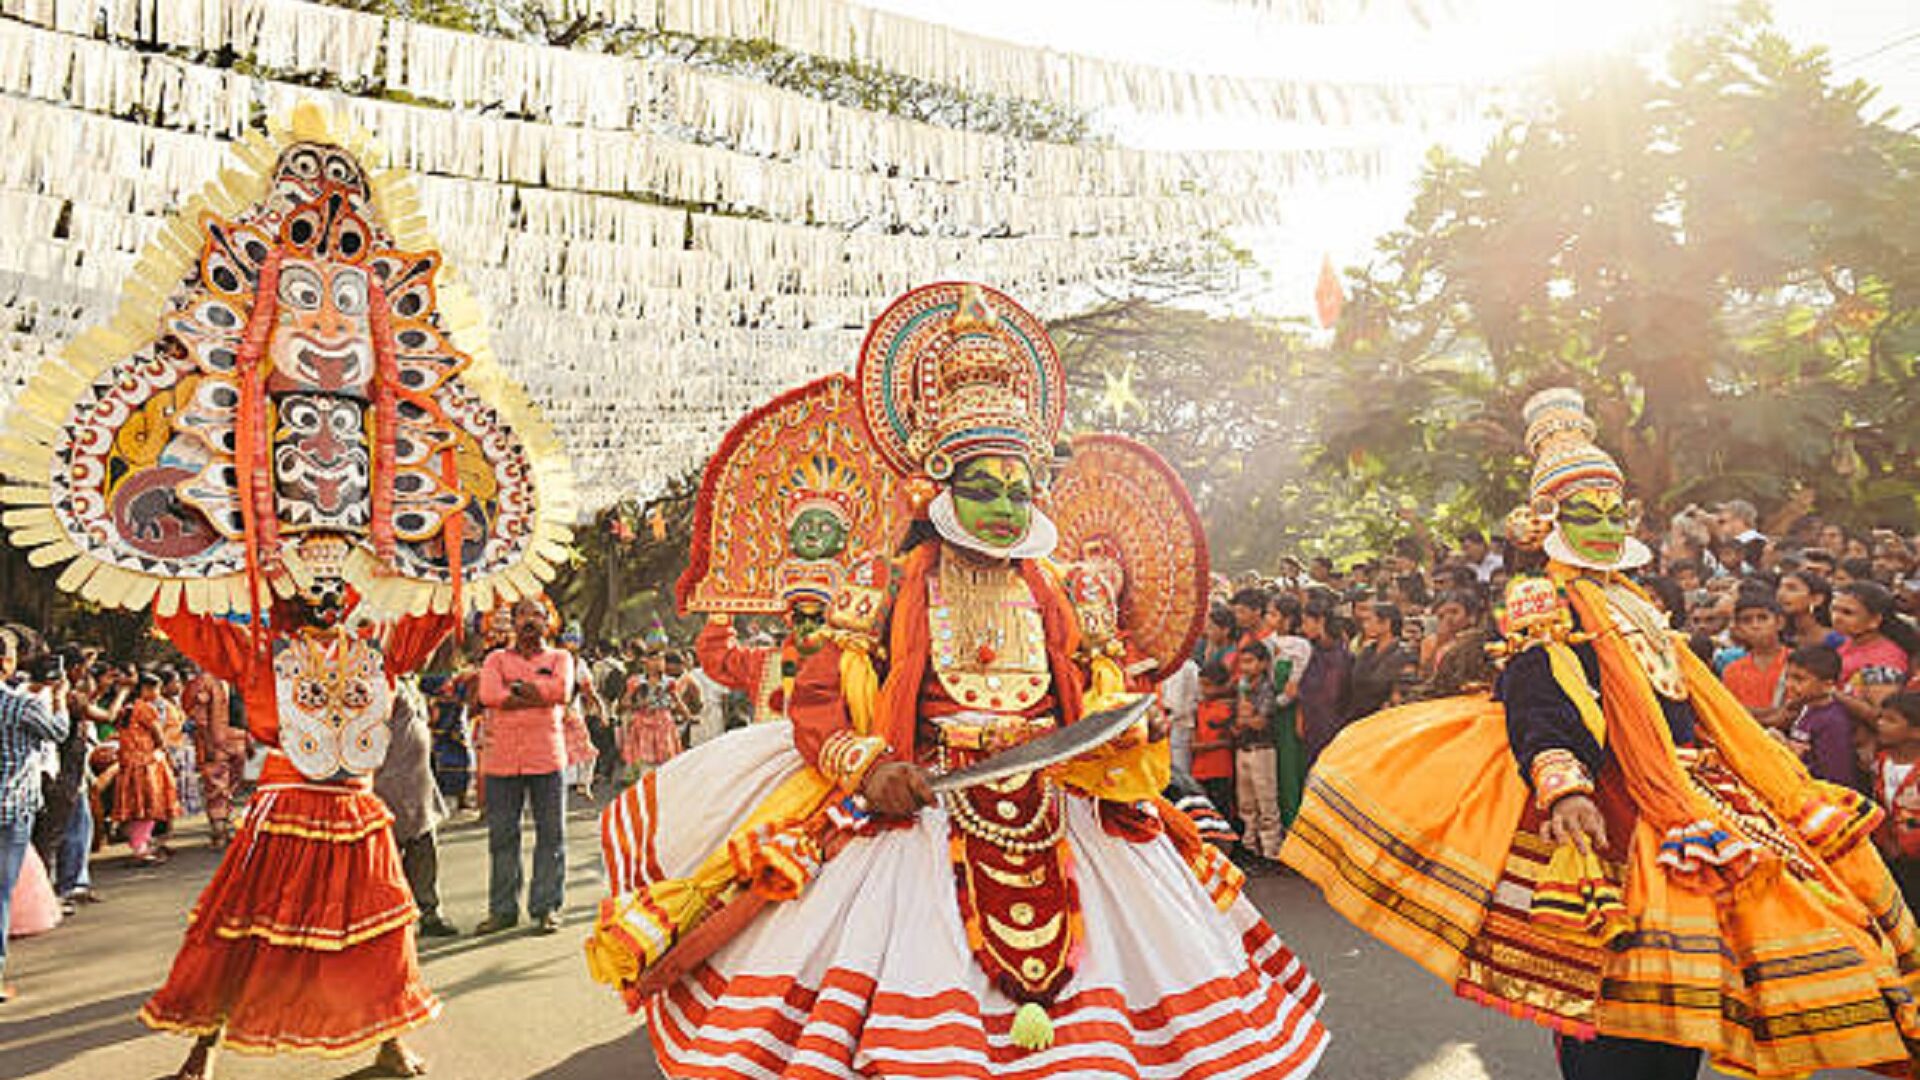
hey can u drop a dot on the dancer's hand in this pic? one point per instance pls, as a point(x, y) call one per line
point(897, 789)
point(1575, 819)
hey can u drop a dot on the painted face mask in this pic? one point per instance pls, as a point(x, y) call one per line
point(1595, 525)
point(817, 533)
point(993, 500)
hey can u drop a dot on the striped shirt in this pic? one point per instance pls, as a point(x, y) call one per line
point(27, 723)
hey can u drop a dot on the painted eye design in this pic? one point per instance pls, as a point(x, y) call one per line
point(304, 163)
point(350, 292)
point(300, 287)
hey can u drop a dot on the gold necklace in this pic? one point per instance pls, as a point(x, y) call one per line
point(989, 643)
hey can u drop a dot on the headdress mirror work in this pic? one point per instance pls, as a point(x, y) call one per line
point(956, 370)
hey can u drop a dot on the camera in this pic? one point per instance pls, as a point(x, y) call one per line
point(47, 669)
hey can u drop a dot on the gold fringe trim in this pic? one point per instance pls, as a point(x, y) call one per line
point(360, 1041)
point(325, 836)
point(314, 941)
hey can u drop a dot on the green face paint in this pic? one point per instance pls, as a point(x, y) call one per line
point(993, 500)
point(1594, 525)
point(817, 534)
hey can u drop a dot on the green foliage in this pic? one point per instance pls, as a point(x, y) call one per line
point(626, 561)
point(860, 86)
point(1721, 253)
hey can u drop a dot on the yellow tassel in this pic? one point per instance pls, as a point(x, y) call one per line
point(1032, 1028)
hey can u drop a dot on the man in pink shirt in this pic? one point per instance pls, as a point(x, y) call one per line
point(524, 688)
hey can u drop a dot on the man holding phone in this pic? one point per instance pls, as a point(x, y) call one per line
point(525, 688)
point(32, 718)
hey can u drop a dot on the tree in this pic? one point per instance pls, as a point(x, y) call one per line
point(1720, 252)
point(1220, 397)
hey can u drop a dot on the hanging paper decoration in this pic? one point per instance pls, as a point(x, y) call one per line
point(644, 330)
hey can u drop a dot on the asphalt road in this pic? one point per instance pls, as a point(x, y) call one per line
point(520, 1007)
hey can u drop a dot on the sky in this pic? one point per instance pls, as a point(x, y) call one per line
point(1878, 40)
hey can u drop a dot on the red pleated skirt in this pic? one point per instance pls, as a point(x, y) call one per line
point(303, 942)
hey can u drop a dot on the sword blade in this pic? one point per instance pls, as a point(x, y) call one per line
point(1052, 748)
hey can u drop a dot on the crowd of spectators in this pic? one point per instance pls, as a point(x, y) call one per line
point(1809, 623)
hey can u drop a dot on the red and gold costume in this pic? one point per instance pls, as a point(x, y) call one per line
point(292, 423)
point(998, 931)
point(1736, 909)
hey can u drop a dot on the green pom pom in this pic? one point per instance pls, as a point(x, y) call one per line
point(1032, 1028)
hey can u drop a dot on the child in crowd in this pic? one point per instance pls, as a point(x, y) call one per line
point(1213, 736)
point(1256, 787)
point(146, 795)
point(1896, 787)
point(1820, 732)
point(1758, 677)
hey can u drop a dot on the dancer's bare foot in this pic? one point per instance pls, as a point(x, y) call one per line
point(199, 1063)
point(394, 1059)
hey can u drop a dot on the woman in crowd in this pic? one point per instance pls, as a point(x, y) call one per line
point(1379, 661)
point(652, 735)
point(1806, 599)
point(1323, 690)
point(146, 795)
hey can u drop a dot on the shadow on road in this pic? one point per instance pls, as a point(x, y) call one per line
point(42, 1042)
point(616, 1057)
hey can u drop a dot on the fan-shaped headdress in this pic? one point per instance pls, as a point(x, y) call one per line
point(803, 451)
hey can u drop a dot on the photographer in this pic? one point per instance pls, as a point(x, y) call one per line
point(63, 832)
point(32, 719)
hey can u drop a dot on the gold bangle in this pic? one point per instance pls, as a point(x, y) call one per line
point(846, 758)
point(1556, 775)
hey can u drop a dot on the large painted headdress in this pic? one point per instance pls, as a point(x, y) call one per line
point(292, 390)
point(1133, 552)
point(956, 370)
point(1567, 462)
point(793, 493)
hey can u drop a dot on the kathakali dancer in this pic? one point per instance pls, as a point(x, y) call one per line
point(292, 444)
point(793, 492)
point(952, 860)
point(1610, 846)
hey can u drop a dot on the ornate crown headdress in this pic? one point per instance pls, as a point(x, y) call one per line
point(1560, 439)
point(823, 482)
point(956, 370)
point(803, 450)
point(1565, 461)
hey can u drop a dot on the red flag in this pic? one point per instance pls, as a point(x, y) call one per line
point(1328, 297)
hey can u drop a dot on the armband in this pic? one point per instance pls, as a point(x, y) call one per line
point(1556, 775)
point(846, 758)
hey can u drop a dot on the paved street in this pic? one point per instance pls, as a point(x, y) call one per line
point(521, 1006)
